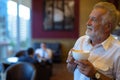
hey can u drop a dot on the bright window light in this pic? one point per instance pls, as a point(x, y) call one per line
point(12, 8)
point(22, 19)
point(24, 12)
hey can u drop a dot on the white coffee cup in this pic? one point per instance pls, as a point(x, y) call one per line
point(80, 54)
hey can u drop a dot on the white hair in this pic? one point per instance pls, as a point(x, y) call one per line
point(110, 16)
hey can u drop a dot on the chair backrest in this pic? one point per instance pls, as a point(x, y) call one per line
point(21, 71)
point(1, 67)
point(1, 70)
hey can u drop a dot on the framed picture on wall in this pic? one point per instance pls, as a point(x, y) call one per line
point(59, 14)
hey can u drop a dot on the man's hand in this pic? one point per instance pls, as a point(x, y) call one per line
point(70, 62)
point(70, 59)
point(86, 68)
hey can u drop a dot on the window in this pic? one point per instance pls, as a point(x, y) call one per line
point(15, 28)
point(18, 25)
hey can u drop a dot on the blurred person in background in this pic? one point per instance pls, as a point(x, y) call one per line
point(30, 56)
point(43, 53)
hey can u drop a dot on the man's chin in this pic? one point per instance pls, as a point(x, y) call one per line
point(87, 33)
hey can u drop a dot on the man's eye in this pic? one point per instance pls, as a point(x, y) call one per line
point(94, 20)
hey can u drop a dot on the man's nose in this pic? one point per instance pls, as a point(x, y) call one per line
point(89, 23)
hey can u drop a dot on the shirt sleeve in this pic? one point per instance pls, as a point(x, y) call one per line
point(37, 51)
point(77, 43)
point(49, 51)
point(117, 69)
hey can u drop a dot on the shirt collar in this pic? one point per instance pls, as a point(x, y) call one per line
point(106, 44)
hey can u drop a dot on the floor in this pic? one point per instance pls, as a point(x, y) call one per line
point(60, 72)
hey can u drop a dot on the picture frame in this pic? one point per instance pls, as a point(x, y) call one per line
point(58, 15)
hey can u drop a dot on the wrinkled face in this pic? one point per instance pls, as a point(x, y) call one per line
point(95, 28)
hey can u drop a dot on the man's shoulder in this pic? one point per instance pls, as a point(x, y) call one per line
point(22, 58)
point(116, 43)
point(49, 49)
point(38, 50)
point(84, 37)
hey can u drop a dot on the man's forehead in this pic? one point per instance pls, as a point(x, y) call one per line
point(97, 12)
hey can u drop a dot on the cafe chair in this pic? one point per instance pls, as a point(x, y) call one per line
point(1, 67)
point(21, 71)
point(1, 70)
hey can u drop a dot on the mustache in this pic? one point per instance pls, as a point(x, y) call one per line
point(89, 27)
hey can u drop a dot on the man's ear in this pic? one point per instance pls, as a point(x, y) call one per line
point(108, 27)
